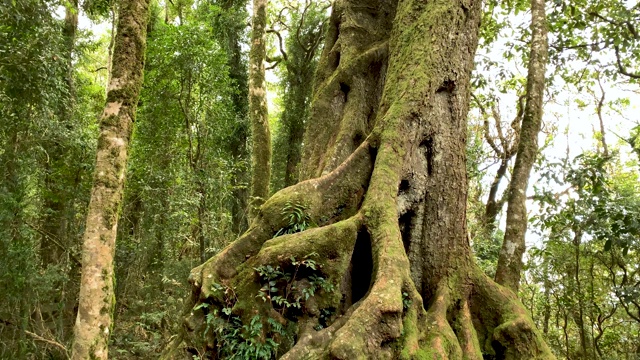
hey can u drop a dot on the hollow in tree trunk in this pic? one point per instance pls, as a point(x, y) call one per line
point(97, 298)
point(384, 179)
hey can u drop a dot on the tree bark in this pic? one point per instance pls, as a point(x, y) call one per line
point(95, 309)
point(384, 180)
point(261, 154)
point(513, 246)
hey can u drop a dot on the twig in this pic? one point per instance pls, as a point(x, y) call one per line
point(50, 342)
point(57, 242)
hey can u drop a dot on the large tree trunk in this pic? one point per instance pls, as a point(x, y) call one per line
point(95, 309)
point(513, 245)
point(261, 155)
point(385, 182)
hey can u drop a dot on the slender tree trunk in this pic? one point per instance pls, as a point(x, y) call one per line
point(384, 179)
point(57, 196)
point(296, 132)
point(513, 246)
point(156, 260)
point(199, 226)
point(12, 193)
point(238, 146)
point(494, 205)
point(53, 223)
point(114, 19)
point(504, 151)
point(95, 309)
point(300, 63)
point(70, 29)
point(54, 237)
point(586, 340)
point(288, 145)
point(547, 301)
point(261, 154)
point(565, 331)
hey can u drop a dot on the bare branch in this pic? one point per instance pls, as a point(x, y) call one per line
point(280, 43)
point(50, 342)
point(487, 136)
point(57, 242)
point(621, 68)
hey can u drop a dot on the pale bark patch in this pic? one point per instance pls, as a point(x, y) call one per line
point(115, 84)
point(510, 247)
point(112, 108)
point(118, 141)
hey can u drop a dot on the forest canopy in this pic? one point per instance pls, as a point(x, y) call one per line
point(291, 179)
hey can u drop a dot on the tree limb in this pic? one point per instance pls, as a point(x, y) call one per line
point(50, 342)
point(621, 68)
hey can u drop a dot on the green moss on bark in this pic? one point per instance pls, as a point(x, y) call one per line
point(96, 300)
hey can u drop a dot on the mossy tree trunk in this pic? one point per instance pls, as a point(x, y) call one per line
point(261, 153)
point(96, 302)
point(513, 245)
point(231, 36)
point(384, 179)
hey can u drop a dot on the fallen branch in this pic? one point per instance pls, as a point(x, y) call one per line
point(50, 342)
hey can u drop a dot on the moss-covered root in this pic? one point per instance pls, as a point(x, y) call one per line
point(463, 322)
point(372, 327)
point(392, 324)
point(508, 330)
point(466, 321)
point(441, 340)
point(446, 331)
point(328, 199)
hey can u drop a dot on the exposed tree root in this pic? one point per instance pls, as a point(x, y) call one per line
point(462, 322)
point(468, 315)
point(330, 198)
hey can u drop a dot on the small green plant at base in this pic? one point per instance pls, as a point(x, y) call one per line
point(298, 218)
point(236, 340)
point(406, 301)
point(290, 297)
point(325, 317)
